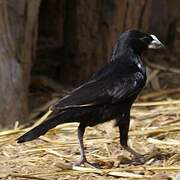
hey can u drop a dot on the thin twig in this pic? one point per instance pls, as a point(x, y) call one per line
point(160, 93)
point(163, 68)
point(24, 176)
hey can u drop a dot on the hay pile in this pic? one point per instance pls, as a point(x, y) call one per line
point(154, 131)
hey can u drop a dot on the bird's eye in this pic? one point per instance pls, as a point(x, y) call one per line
point(146, 39)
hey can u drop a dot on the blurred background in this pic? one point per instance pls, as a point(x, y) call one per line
point(47, 47)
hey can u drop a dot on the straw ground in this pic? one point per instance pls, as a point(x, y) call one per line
point(154, 131)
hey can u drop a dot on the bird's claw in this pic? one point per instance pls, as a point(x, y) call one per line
point(138, 160)
point(85, 163)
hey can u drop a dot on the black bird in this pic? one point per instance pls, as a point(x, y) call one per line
point(108, 94)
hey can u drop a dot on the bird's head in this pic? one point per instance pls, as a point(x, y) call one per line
point(138, 41)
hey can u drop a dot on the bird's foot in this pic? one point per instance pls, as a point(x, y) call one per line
point(138, 159)
point(85, 163)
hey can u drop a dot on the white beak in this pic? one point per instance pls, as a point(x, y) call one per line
point(155, 43)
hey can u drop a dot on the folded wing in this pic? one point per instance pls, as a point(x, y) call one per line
point(107, 86)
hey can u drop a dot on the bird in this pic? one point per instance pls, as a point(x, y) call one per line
point(108, 94)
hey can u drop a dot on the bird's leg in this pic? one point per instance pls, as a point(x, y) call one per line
point(83, 160)
point(81, 130)
point(123, 124)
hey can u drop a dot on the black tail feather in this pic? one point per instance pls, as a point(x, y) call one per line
point(40, 129)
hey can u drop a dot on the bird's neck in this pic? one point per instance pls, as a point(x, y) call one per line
point(139, 64)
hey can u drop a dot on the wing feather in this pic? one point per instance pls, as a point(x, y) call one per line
point(112, 83)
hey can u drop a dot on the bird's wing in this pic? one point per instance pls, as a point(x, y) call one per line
point(89, 94)
point(104, 91)
point(109, 86)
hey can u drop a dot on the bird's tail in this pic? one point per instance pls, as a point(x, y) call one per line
point(43, 127)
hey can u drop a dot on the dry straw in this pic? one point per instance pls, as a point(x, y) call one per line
point(154, 131)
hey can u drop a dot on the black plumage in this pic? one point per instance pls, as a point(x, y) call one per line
point(108, 94)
